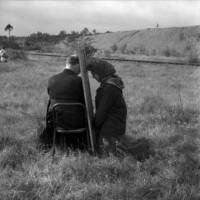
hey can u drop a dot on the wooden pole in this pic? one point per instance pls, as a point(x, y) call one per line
point(88, 98)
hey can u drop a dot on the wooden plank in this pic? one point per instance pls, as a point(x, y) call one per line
point(88, 98)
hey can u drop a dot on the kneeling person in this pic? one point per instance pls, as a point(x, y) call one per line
point(111, 109)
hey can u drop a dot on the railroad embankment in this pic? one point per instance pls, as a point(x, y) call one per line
point(175, 42)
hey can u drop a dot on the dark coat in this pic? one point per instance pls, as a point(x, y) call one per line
point(111, 111)
point(67, 87)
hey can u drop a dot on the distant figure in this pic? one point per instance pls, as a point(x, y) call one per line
point(3, 56)
point(111, 110)
point(65, 87)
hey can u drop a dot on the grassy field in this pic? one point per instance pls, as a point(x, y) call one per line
point(163, 106)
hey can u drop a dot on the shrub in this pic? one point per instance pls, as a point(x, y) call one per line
point(133, 51)
point(114, 48)
point(16, 54)
point(153, 52)
point(170, 52)
point(142, 49)
point(123, 48)
point(193, 58)
point(198, 37)
point(181, 36)
point(33, 46)
point(188, 46)
point(167, 52)
point(107, 53)
point(11, 44)
point(175, 53)
point(138, 50)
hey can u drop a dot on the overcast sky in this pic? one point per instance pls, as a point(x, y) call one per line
point(31, 16)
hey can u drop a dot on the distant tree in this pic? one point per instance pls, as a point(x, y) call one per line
point(74, 33)
point(85, 31)
point(8, 28)
point(72, 37)
point(94, 31)
point(62, 34)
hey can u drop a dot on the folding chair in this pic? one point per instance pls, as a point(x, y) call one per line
point(61, 107)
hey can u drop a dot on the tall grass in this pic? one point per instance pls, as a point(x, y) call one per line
point(154, 112)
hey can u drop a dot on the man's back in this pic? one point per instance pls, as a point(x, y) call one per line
point(67, 87)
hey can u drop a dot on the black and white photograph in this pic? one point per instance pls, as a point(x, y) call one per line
point(99, 100)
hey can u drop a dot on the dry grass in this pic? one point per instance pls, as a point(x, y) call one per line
point(163, 104)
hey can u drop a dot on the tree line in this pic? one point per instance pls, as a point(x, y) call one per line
point(36, 41)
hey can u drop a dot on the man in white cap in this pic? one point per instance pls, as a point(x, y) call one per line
point(3, 55)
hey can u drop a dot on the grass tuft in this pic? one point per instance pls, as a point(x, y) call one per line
point(152, 104)
point(16, 153)
point(7, 141)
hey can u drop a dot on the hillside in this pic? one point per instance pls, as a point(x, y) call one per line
point(175, 42)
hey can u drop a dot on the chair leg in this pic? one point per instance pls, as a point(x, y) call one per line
point(54, 143)
point(64, 142)
point(88, 139)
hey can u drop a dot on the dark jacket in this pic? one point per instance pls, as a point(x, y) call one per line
point(67, 87)
point(111, 110)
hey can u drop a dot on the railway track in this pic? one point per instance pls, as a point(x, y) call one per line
point(121, 59)
point(152, 61)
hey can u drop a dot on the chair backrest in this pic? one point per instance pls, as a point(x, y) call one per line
point(72, 111)
point(69, 116)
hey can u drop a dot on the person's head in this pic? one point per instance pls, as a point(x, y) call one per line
point(72, 63)
point(100, 69)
